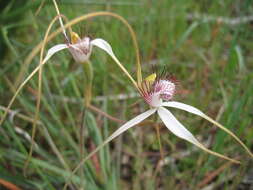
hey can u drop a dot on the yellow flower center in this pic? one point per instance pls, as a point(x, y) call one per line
point(74, 37)
point(151, 78)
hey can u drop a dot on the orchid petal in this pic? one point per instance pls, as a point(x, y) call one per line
point(50, 52)
point(104, 45)
point(54, 50)
point(119, 131)
point(184, 107)
point(196, 111)
point(179, 130)
point(130, 124)
point(175, 126)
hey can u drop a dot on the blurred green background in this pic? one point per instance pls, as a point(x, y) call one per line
point(206, 44)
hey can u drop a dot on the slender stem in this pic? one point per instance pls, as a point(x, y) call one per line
point(87, 97)
point(60, 20)
point(157, 127)
point(81, 132)
point(81, 140)
point(88, 75)
point(159, 140)
point(36, 118)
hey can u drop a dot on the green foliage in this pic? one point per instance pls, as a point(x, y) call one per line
point(211, 59)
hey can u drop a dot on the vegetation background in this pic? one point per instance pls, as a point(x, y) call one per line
point(206, 44)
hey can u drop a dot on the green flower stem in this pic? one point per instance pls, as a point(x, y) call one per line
point(88, 74)
point(158, 136)
point(88, 78)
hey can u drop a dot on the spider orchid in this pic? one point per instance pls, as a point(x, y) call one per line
point(158, 93)
point(79, 48)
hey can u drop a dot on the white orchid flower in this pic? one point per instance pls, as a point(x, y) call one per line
point(158, 94)
point(79, 48)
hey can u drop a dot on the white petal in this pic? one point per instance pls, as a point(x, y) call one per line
point(196, 111)
point(130, 124)
point(179, 130)
point(184, 107)
point(119, 131)
point(175, 126)
point(122, 129)
point(53, 50)
point(108, 49)
point(104, 45)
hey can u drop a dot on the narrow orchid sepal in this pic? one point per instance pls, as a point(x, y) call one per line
point(179, 130)
point(196, 111)
point(119, 131)
point(130, 124)
point(184, 107)
point(175, 126)
point(54, 50)
point(229, 132)
point(104, 45)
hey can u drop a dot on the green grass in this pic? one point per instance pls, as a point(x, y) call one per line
point(211, 60)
